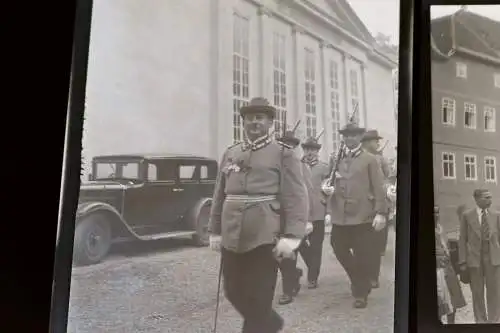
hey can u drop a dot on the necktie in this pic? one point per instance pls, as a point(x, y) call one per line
point(485, 229)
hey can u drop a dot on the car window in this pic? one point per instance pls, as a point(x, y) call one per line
point(105, 170)
point(130, 170)
point(152, 172)
point(204, 172)
point(186, 172)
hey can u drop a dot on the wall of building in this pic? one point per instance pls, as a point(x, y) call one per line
point(148, 78)
point(159, 83)
point(478, 89)
point(380, 108)
point(450, 193)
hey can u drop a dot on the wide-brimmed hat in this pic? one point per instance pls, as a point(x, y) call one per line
point(371, 135)
point(352, 128)
point(311, 143)
point(482, 193)
point(289, 138)
point(258, 105)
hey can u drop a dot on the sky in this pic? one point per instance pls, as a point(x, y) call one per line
point(383, 15)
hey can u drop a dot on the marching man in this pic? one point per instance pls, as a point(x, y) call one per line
point(258, 217)
point(290, 273)
point(356, 208)
point(319, 172)
point(371, 144)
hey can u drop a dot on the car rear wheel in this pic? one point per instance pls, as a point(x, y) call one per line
point(92, 240)
point(201, 238)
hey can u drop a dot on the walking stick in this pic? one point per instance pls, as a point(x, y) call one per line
point(218, 296)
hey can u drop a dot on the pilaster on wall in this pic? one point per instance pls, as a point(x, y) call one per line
point(345, 87)
point(364, 118)
point(225, 74)
point(298, 77)
point(265, 53)
point(325, 119)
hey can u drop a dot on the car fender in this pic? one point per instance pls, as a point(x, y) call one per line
point(195, 210)
point(87, 208)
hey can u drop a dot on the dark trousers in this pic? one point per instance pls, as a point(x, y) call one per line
point(249, 284)
point(353, 247)
point(313, 252)
point(290, 275)
point(380, 242)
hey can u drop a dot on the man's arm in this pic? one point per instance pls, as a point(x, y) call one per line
point(306, 172)
point(377, 186)
point(293, 197)
point(462, 241)
point(214, 225)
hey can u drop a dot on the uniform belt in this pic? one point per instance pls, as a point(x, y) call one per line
point(250, 198)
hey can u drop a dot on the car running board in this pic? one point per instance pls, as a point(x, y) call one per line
point(165, 235)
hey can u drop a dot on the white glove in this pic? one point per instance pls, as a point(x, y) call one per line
point(285, 249)
point(328, 219)
point(215, 242)
point(309, 228)
point(379, 222)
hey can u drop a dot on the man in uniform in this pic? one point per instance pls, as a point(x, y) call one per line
point(371, 144)
point(258, 216)
point(356, 208)
point(479, 254)
point(319, 172)
point(290, 273)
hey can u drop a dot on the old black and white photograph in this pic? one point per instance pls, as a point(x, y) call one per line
point(239, 165)
point(465, 70)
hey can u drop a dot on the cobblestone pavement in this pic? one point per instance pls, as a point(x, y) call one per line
point(170, 287)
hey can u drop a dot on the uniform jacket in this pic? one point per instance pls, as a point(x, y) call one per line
point(307, 175)
point(469, 242)
point(319, 172)
point(244, 225)
point(359, 191)
point(384, 167)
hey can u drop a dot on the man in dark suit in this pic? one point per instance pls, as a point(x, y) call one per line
point(319, 172)
point(290, 273)
point(356, 209)
point(479, 253)
point(258, 215)
point(371, 143)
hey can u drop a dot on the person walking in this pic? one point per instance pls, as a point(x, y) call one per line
point(290, 273)
point(444, 264)
point(479, 254)
point(356, 208)
point(319, 172)
point(258, 217)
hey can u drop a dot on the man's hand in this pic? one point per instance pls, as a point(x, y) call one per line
point(379, 222)
point(462, 267)
point(215, 242)
point(284, 250)
point(309, 228)
point(328, 190)
point(328, 219)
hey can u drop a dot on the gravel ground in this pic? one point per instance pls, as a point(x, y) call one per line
point(170, 287)
point(465, 314)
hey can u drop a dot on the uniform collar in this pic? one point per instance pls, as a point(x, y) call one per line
point(353, 152)
point(311, 161)
point(257, 144)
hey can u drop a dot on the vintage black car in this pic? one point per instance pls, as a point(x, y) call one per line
point(142, 197)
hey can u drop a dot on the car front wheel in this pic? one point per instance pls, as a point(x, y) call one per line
point(92, 240)
point(201, 238)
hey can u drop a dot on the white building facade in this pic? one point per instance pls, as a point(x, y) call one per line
point(170, 76)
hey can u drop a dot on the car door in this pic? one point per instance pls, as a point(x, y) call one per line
point(189, 189)
point(155, 209)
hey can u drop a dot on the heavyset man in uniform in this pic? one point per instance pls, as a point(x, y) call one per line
point(269, 205)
